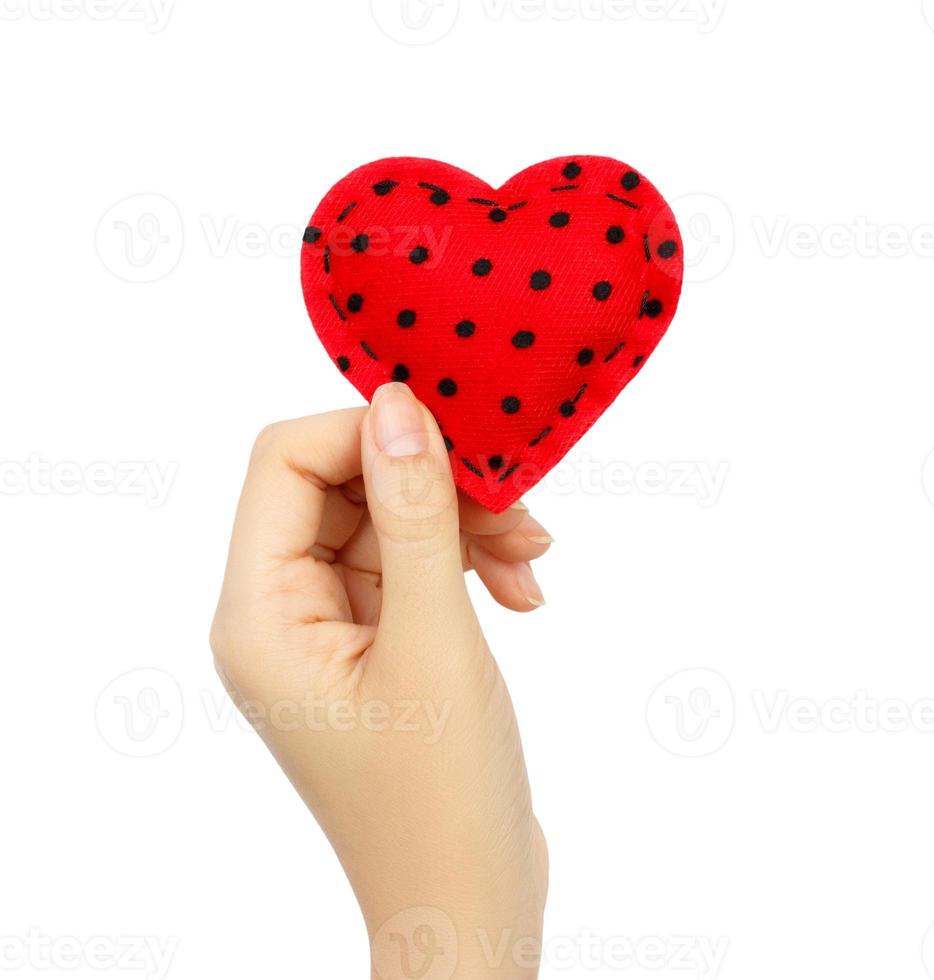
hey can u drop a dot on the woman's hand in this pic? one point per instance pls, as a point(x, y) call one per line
point(346, 634)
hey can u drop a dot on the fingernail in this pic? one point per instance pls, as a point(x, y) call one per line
point(518, 505)
point(530, 588)
point(532, 531)
point(398, 424)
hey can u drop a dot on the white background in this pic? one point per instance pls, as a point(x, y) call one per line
point(159, 164)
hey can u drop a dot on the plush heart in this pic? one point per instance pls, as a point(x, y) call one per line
point(516, 315)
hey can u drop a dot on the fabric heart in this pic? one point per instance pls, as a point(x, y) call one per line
point(516, 315)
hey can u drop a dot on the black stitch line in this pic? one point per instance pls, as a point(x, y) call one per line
point(647, 247)
point(431, 187)
point(368, 350)
point(540, 436)
point(515, 207)
point(567, 187)
point(340, 312)
point(580, 394)
point(622, 200)
point(512, 469)
point(472, 468)
point(645, 301)
point(346, 212)
point(327, 260)
point(483, 201)
point(609, 357)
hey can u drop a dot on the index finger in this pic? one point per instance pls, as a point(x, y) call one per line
point(291, 468)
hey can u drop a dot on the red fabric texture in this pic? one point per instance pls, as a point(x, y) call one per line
point(517, 314)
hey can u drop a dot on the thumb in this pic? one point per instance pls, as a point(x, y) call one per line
point(413, 505)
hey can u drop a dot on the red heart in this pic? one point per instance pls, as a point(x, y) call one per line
point(517, 315)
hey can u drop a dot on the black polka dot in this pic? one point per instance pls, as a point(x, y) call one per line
point(638, 360)
point(439, 198)
point(361, 243)
point(584, 356)
point(447, 387)
point(511, 405)
point(449, 444)
point(498, 215)
point(667, 249)
point(482, 267)
point(343, 363)
point(615, 234)
point(354, 303)
point(465, 328)
point(311, 235)
point(567, 409)
point(401, 373)
point(495, 462)
point(559, 219)
point(406, 318)
point(631, 180)
point(419, 255)
point(572, 171)
point(654, 308)
point(540, 280)
point(523, 339)
point(602, 291)
point(384, 187)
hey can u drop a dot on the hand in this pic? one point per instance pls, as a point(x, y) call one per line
point(346, 635)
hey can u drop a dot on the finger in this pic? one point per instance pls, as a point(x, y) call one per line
point(284, 499)
point(510, 547)
point(413, 506)
point(528, 542)
point(476, 519)
point(362, 550)
point(364, 593)
point(339, 522)
point(513, 536)
point(512, 584)
point(524, 543)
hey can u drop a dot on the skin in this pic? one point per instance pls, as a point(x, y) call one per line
point(345, 633)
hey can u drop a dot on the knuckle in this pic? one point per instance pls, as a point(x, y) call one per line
point(268, 441)
point(232, 660)
point(220, 639)
point(216, 638)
